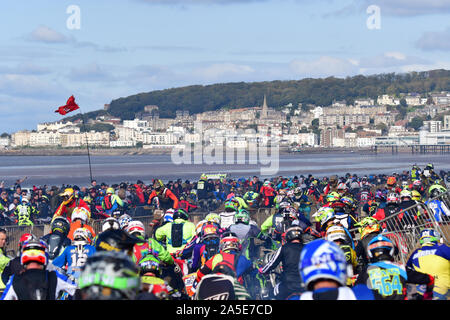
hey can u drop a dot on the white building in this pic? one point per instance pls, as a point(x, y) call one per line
point(364, 102)
point(5, 142)
point(53, 126)
point(446, 122)
point(385, 100)
point(122, 143)
point(434, 138)
point(163, 138)
point(21, 138)
point(433, 126)
point(45, 138)
point(136, 124)
point(93, 138)
point(413, 100)
point(397, 140)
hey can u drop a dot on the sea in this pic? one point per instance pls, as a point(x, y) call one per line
point(78, 170)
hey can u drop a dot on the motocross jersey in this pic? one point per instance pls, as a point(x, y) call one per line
point(387, 279)
point(342, 293)
point(434, 260)
point(74, 257)
point(439, 210)
point(153, 247)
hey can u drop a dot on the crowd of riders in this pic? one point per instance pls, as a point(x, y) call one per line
point(324, 238)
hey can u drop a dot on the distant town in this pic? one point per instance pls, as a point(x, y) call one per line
point(407, 119)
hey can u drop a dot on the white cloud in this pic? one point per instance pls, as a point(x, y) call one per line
point(90, 72)
point(434, 41)
point(324, 66)
point(402, 8)
point(32, 86)
point(411, 7)
point(219, 71)
point(390, 59)
point(199, 2)
point(47, 35)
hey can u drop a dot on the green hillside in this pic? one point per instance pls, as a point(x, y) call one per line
point(322, 92)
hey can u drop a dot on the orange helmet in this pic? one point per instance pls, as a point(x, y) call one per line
point(391, 181)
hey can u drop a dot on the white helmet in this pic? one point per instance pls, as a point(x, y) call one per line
point(336, 233)
point(135, 226)
point(110, 223)
point(81, 213)
point(82, 234)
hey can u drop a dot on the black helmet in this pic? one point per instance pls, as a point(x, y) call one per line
point(60, 224)
point(180, 214)
point(294, 233)
point(116, 240)
point(109, 275)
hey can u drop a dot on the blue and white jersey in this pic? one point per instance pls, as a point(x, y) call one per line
point(74, 257)
point(439, 209)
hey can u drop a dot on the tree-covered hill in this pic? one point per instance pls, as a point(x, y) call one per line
point(321, 92)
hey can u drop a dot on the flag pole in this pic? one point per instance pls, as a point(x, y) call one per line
point(69, 107)
point(87, 144)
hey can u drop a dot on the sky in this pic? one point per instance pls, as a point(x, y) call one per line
point(102, 50)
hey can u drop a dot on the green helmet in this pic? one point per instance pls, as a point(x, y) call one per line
point(110, 270)
point(213, 217)
point(149, 264)
point(324, 213)
point(435, 190)
point(333, 196)
point(242, 216)
point(231, 206)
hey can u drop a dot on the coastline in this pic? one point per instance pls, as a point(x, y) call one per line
point(167, 151)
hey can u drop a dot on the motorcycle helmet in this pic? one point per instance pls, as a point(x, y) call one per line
point(337, 233)
point(213, 217)
point(34, 251)
point(322, 259)
point(293, 233)
point(180, 214)
point(368, 225)
point(229, 243)
point(392, 198)
point(242, 216)
point(124, 220)
point(380, 248)
point(117, 240)
point(231, 206)
point(109, 276)
point(149, 264)
point(67, 195)
point(136, 228)
point(60, 224)
point(83, 234)
point(429, 236)
point(110, 223)
point(81, 213)
point(435, 190)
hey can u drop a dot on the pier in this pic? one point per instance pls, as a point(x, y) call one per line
point(415, 148)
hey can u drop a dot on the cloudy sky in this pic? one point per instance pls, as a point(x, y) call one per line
point(105, 49)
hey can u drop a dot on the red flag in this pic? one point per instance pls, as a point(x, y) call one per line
point(69, 107)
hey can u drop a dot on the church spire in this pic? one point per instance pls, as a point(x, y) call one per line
point(264, 108)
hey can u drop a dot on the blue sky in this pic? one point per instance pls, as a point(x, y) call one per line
point(125, 47)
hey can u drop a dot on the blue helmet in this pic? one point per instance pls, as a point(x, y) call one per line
point(429, 236)
point(322, 259)
point(380, 248)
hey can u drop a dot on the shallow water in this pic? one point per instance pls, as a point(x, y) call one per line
point(56, 170)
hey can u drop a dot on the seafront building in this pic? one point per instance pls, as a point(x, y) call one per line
point(365, 123)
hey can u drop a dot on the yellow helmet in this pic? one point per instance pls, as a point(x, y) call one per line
point(416, 195)
point(67, 195)
point(110, 190)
